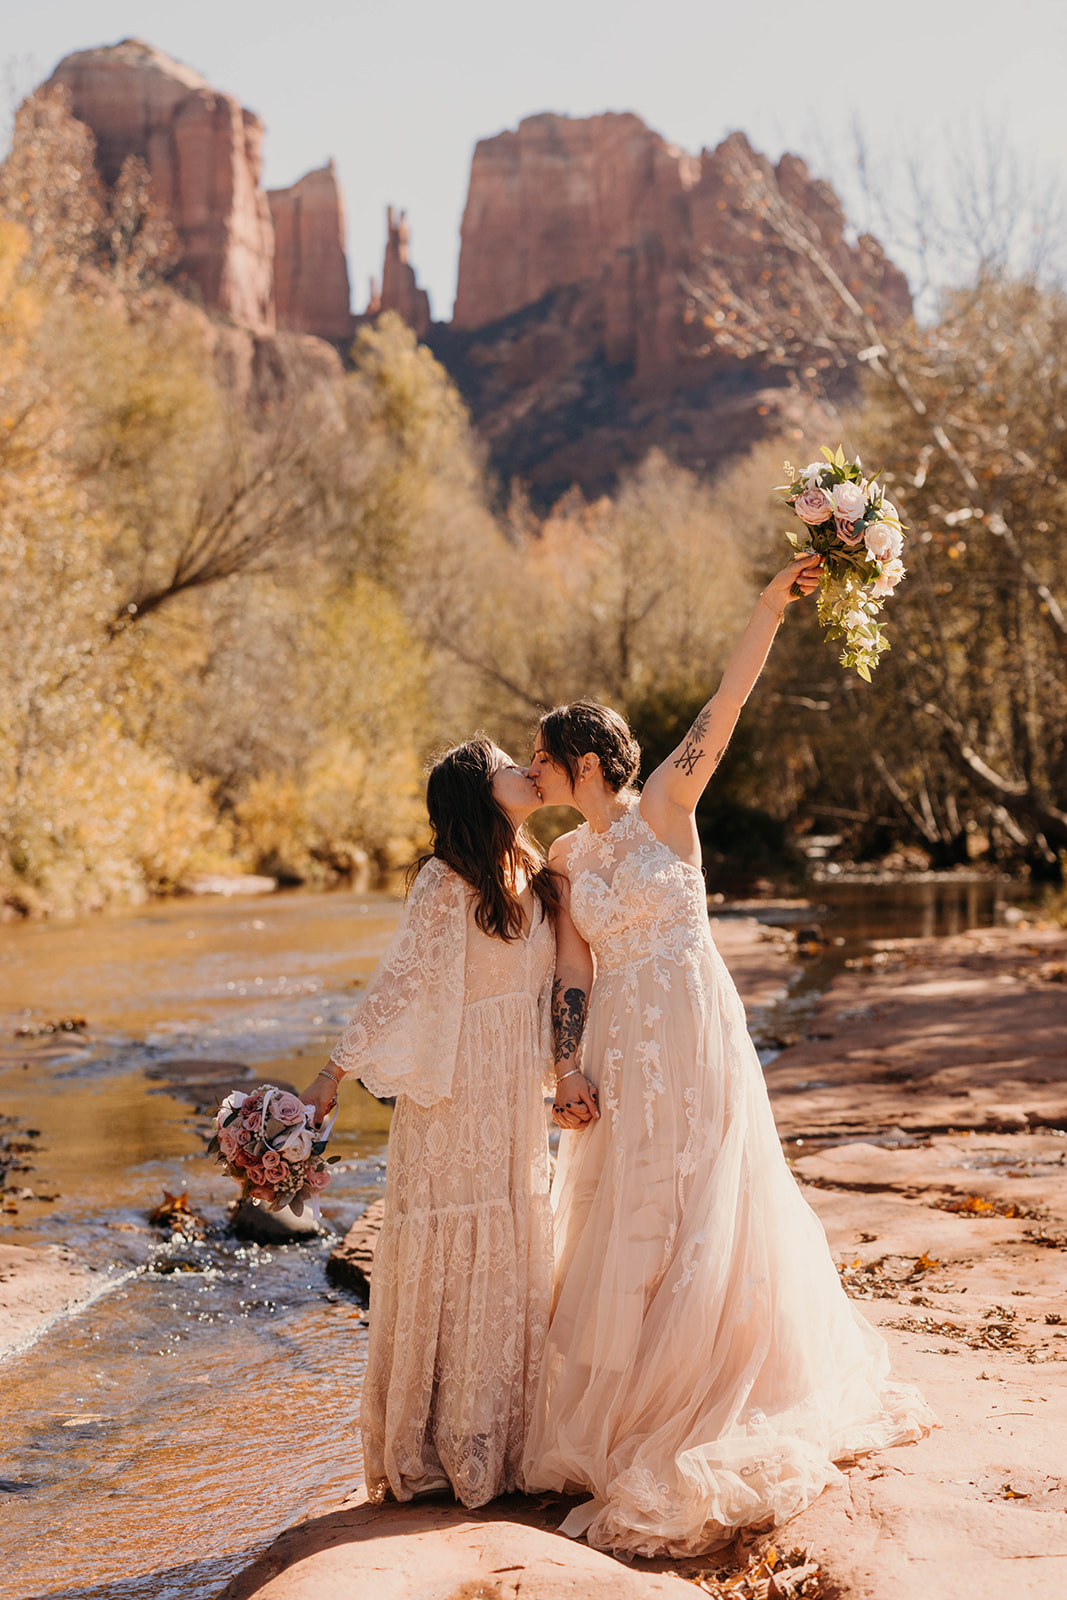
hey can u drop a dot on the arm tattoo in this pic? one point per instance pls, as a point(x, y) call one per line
point(568, 1021)
point(692, 750)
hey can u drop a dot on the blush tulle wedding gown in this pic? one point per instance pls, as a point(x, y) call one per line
point(703, 1369)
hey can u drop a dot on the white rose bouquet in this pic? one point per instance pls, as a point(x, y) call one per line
point(849, 522)
point(268, 1141)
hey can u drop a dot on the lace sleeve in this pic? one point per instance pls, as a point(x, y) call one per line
point(404, 1037)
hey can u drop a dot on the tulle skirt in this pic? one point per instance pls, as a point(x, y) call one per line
point(704, 1369)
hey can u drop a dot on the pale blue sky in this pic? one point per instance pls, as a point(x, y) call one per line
point(398, 93)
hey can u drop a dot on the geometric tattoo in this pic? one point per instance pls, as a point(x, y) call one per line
point(693, 751)
point(568, 1020)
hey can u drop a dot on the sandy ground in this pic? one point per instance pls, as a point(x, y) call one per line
point(37, 1287)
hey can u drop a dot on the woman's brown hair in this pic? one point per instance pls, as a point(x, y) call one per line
point(586, 727)
point(474, 835)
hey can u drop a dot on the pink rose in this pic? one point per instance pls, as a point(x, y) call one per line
point(317, 1177)
point(255, 1173)
point(849, 501)
point(274, 1166)
point(883, 541)
point(844, 528)
point(890, 576)
point(814, 506)
point(261, 1191)
point(285, 1107)
point(228, 1144)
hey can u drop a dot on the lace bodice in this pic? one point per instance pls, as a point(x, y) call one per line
point(632, 899)
point(405, 1035)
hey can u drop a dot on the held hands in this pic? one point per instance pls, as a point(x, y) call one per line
point(800, 578)
point(575, 1102)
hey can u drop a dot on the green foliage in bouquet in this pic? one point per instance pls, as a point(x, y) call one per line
point(849, 522)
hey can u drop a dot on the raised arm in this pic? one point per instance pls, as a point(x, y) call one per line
point(679, 781)
point(575, 1101)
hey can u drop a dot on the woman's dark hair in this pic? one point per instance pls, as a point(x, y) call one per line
point(473, 834)
point(586, 727)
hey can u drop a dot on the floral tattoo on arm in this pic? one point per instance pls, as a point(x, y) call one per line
point(693, 749)
point(568, 1021)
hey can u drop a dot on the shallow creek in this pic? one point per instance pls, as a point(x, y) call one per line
point(155, 1442)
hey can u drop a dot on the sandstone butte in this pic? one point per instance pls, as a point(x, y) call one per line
point(266, 261)
point(569, 338)
point(311, 288)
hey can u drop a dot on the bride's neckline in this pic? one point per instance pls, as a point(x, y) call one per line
point(631, 811)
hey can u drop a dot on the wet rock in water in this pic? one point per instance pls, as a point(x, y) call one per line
point(220, 883)
point(204, 1084)
point(352, 1262)
point(254, 1222)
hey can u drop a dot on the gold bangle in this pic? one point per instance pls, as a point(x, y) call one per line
point(779, 614)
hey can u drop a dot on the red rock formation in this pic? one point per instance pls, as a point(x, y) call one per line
point(605, 201)
point(203, 151)
point(570, 339)
point(311, 288)
point(399, 289)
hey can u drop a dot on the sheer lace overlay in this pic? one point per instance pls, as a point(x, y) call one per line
point(458, 1026)
point(703, 1369)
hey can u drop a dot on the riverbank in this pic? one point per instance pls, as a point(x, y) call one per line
point(37, 1287)
point(953, 1243)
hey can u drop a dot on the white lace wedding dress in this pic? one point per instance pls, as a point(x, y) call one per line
point(457, 1025)
point(703, 1369)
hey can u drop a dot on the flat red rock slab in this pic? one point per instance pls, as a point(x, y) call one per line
point(967, 1032)
point(38, 1285)
point(430, 1550)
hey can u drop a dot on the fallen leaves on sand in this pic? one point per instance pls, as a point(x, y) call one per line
point(770, 1575)
point(976, 1205)
point(995, 1332)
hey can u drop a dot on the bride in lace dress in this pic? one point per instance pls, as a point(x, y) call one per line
point(703, 1369)
point(456, 1024)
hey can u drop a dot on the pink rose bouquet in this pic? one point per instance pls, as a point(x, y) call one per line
point(848, 520)
point(268, 1141)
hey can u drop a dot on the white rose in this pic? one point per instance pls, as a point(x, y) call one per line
point(855, 618)
point(883, 541)
point(849, 502)
point(892, 572)
point(297, 1146)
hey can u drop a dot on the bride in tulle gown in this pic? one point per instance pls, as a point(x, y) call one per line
point(703, 1369)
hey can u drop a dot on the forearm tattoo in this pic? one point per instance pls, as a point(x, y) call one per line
point(568, 1021)
point(693, 749)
